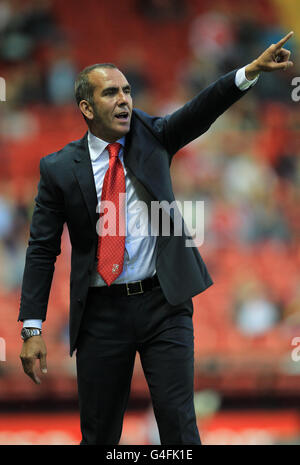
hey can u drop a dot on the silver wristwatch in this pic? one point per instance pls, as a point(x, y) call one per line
point(26, 333)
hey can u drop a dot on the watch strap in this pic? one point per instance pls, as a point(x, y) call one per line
point(26, 333)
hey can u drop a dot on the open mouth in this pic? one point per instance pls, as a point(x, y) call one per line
point(122, 116)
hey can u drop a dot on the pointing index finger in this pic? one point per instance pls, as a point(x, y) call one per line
point(284, 40)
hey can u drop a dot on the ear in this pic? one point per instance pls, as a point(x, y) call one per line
point(87, 109)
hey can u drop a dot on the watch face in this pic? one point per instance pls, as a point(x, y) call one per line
point(26, 333)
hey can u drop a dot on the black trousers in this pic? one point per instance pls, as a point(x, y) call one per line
point(112, 331)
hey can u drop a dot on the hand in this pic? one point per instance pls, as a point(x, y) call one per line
point(34, 348)
point(272, 59)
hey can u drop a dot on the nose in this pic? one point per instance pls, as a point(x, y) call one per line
point(122, 98)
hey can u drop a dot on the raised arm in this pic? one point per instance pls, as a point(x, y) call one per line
point(273, 59)
point(197, 115)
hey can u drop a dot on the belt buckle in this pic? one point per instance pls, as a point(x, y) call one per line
point(134, 293)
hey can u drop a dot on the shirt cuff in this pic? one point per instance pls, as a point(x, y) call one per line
point(32, 324)
point(241, 81)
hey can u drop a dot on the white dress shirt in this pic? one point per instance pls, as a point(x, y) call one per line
point(140, 250)
point(139, 258)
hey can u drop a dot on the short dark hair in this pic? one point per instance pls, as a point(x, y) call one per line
point(84, 89)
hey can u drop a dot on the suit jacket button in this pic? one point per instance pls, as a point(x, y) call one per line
point(79, 301)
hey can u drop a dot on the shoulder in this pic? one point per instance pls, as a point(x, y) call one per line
point(144, 118)
point(154, 124)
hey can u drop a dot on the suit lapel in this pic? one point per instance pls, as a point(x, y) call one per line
point(139, 147)
point(144, 157)
point(83, 171)
point(134, 153)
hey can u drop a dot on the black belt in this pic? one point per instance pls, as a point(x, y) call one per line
point(133, 288)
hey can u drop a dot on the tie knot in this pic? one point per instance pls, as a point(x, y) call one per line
point(113, 149)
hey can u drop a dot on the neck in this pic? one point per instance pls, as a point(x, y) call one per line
point(111, 140)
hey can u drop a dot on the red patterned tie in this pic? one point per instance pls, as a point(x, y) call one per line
point(111, 247)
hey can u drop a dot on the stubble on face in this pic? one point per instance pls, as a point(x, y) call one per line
point(112, 105)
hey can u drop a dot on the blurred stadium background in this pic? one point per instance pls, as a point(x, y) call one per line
point(246, 169)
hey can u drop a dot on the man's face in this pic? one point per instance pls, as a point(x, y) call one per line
point(112, 108)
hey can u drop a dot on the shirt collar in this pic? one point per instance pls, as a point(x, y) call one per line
point(97, 146)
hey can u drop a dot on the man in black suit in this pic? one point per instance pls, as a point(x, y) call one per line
point(146, 306)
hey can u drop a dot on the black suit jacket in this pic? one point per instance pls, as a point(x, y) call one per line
point(67, 194)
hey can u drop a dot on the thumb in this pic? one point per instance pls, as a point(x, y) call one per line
point(289, 64)
point(285, 65)
point(43, 363)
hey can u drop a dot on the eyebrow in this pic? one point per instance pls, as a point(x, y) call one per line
point(115, 89)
